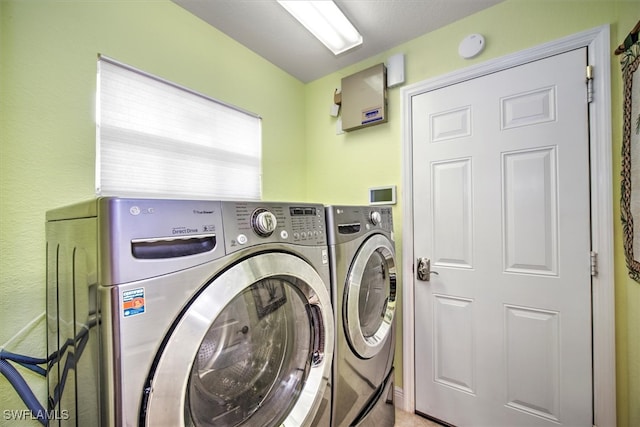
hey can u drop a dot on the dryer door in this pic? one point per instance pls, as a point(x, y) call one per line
point(254, 348)
point(370, 296)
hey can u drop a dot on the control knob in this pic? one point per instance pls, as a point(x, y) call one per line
point(263, 222)
point(375, 218)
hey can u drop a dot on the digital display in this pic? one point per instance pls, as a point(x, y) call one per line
point(382, 195)
point(302, 211)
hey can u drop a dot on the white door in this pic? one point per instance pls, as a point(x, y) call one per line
point(501, 210)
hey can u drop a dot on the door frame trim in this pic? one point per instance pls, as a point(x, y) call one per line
point(597, 41)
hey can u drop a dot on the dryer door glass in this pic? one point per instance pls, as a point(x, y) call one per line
point(254, 359)
point(370, 296)
point(374, 293)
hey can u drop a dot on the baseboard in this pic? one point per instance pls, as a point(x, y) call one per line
point(398, 398)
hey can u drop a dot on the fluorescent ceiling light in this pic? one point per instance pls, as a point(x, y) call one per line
point(325, 21)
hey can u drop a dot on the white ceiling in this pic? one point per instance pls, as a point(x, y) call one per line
point(268, 30)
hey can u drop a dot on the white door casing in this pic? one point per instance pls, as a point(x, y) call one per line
point(604, 351)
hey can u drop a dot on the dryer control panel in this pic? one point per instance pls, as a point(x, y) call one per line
point(346, 223)
point(254, 223)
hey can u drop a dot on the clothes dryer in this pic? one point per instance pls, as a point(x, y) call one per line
point(189, 313)
point(364, 280)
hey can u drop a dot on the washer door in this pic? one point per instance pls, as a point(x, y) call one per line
point(254, 348)
point(370, 296)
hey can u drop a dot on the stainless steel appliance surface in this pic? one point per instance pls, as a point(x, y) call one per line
point(189, 313)
point(364, 280)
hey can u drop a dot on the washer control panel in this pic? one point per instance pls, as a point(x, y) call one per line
point(254, 223)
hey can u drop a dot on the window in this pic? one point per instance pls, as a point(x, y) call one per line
point(157, 139)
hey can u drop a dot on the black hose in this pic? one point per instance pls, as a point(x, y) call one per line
point(23, 390)
point(21, 386)
point(25, 361)
point(21, 358)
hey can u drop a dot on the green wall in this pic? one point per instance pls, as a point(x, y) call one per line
point(353, 162)
point(48, 52)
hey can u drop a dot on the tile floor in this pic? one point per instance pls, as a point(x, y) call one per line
point(405, 419)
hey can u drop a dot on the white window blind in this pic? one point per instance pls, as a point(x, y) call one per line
point(157, 139)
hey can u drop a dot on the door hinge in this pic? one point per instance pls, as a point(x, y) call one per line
point(594, 263)
point(589, 83)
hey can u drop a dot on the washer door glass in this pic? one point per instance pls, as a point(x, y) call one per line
point(254, 359)
point(370, 296)
point(254, 348)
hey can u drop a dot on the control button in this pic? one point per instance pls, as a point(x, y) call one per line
point(296, 235)
point(304, 234)
point(375, 218)
point(284, 234)
point(263, 222)
point(242, 239)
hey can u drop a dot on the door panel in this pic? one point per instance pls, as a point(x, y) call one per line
point(452, 213)
point(532, 341)
point(530, 211)
point(453, 346)
point(501, 208)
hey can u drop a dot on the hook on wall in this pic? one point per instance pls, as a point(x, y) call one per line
point(629, 40)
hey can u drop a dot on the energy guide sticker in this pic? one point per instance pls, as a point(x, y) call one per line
point(133, 302)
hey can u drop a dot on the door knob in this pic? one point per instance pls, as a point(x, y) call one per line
point(424, 269)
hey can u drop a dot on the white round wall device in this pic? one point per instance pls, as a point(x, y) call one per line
point(471, 46)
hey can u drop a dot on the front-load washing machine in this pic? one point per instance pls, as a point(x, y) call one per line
point(189, 313)
point(363, 274)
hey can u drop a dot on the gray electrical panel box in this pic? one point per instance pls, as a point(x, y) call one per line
point(364, 98)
